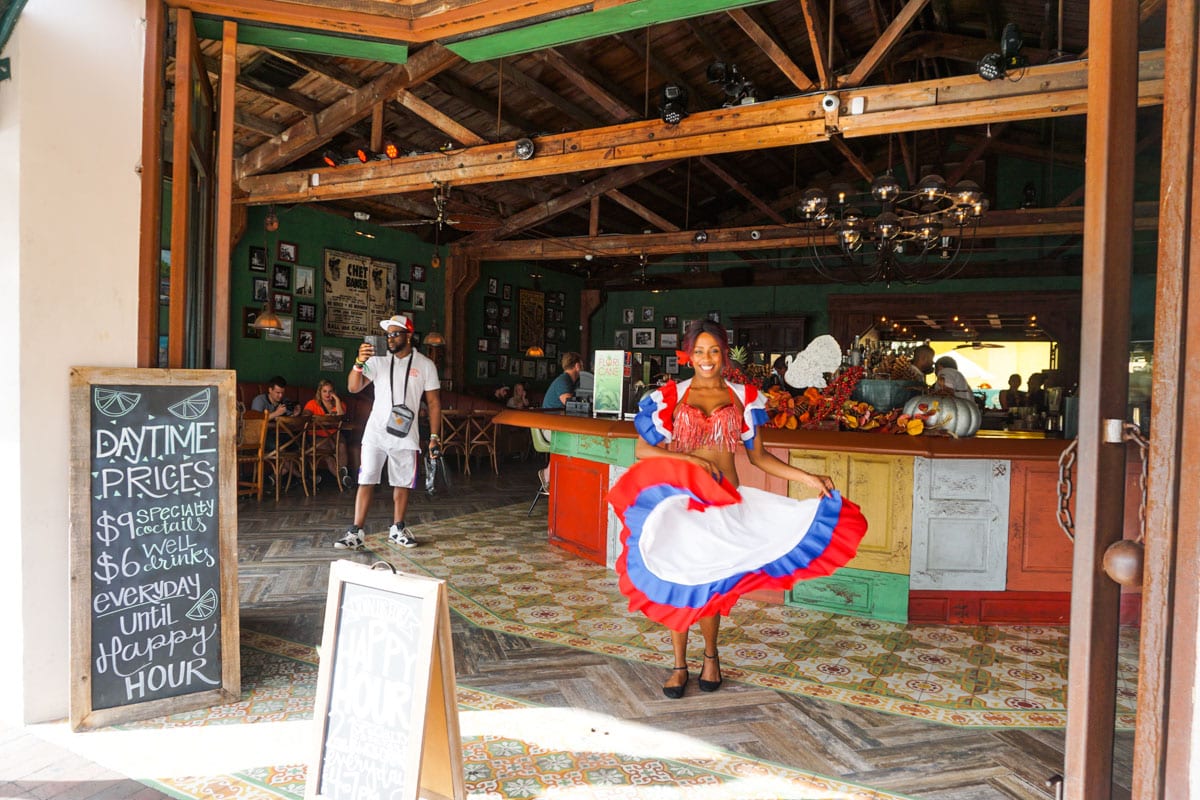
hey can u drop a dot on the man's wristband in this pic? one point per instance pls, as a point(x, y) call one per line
point(433, 436)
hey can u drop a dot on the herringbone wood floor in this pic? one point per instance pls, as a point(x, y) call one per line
point(285, 550)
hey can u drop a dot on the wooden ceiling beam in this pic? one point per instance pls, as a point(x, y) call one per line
point(883, 45)
point(772, 50)
point(859, 165)
point(550, 97)
point(588, 81)
point(317, 129)
point(815, 27)
point(441, 23)
point(258, 124)
point(1069, 156)
point(322, 66)
point(974, 155)
point(459, 133)
point(541, 212)
point(1016, 223)
point(624, 200)
point(449, 85)
point(738, 187)
point(1050, 90)
point(301, 102)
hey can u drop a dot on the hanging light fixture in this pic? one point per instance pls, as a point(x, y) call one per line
point(535, 351)
point(266, 320)
point(890, 234)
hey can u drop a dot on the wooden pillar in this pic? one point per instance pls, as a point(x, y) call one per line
point(150, 246)
point(1103, 389)
point(589, 301)
point(223, 244)
point(180, 196)
point(462, 273)
point(1165, 762)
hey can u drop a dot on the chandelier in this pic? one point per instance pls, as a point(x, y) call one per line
point(892, 235)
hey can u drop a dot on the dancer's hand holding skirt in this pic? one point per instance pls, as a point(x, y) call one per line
point(694, 543)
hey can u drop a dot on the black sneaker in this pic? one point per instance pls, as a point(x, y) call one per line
point(352, 539)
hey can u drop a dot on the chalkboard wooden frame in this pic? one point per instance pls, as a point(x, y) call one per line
point(436, 760)
point(82, 379)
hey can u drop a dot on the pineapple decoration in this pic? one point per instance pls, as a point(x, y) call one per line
point(734, 372)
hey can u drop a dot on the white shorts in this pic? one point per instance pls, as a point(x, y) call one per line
point(401, 466)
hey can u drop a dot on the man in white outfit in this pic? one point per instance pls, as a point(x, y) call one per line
point(402, 378)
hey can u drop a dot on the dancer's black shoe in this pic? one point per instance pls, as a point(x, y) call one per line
point(712, 686)
point(676, 692)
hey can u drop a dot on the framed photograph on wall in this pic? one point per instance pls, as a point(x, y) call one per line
point(249, 314)
point(514, 367)
point(492, 370)
point(418, 299)
point(647, 314)
point(671, 365)
point(281, 302)
point(505, 313)
point(507, 292)
point(543, 371)
point(306, 340)
point(552, 351)
point(333, 359)
point(505, 338)
point(714, 316)
point(643, 338)
point(262, 290)
point(481, 368)
point(668, 341)
point(528, 368)
point(287, 252)
point(481, 345)
point(493, 286)
point(258, 259)
point(621, 339)
point(405, 293)
point(282, 334)
point(491, 310)
point(627, 316)
point(306, 312)
point(418, 273)
point(670, 322)
point(304, 282)
point(281, 277)
point(687, 323)
point(491, 330)
point(502, 362)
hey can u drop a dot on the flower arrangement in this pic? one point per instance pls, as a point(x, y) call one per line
point(817, 408)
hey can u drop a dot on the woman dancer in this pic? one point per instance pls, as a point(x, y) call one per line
point(693, 543)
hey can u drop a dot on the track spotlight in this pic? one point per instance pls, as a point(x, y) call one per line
point(524, 149)
point(701, 237)
point(391, 150)
point(997, 65)
point(364, 154)
point(673, 106)
point(331, 158)
point(716, 72)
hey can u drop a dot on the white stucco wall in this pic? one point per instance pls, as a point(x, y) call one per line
point(70, 143)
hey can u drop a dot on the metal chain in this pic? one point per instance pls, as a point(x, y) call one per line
point(1066, 461)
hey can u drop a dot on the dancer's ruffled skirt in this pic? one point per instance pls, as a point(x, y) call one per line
point(693, 545)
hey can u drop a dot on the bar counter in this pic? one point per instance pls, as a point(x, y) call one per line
point(959, 530)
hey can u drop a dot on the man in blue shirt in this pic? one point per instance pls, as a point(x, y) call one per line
point(562, 388)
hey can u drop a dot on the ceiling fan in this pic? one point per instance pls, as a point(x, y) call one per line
point(460, 216)
point(976, 345)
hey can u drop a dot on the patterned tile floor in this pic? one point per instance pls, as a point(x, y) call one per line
point(506, 747)
point(504, 576)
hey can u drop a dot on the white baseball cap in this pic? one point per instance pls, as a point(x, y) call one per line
point(399, 320)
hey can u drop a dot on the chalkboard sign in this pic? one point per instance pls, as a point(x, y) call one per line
point(386, 708)
point(153, 543)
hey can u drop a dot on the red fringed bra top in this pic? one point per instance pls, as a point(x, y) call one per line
point(695, 430)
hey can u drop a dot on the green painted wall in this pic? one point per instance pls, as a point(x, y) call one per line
point(257, 359)
point(498, 362)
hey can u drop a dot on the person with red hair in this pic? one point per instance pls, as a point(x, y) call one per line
point(693, 542)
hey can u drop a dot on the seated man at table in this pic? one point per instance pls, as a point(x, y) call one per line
point(272, 403)
point(563, 387)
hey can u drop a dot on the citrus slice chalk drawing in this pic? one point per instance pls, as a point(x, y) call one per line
point(114, 403)
point(205, 607)
point(192, 406)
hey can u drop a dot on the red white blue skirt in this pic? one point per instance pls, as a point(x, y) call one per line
point(692, 545)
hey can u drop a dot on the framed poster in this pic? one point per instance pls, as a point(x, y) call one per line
point(359, 291)
point(385, 629)
point(154, 605)
point(531, 319)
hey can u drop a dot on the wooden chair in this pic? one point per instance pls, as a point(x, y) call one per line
point(456, 427)
point(481, 435)
point(286, 457)
point(323, 442)
point(251, 437)
point(541, 443)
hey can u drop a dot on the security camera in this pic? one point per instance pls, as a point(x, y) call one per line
point(756, 235)
point(830, 102)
